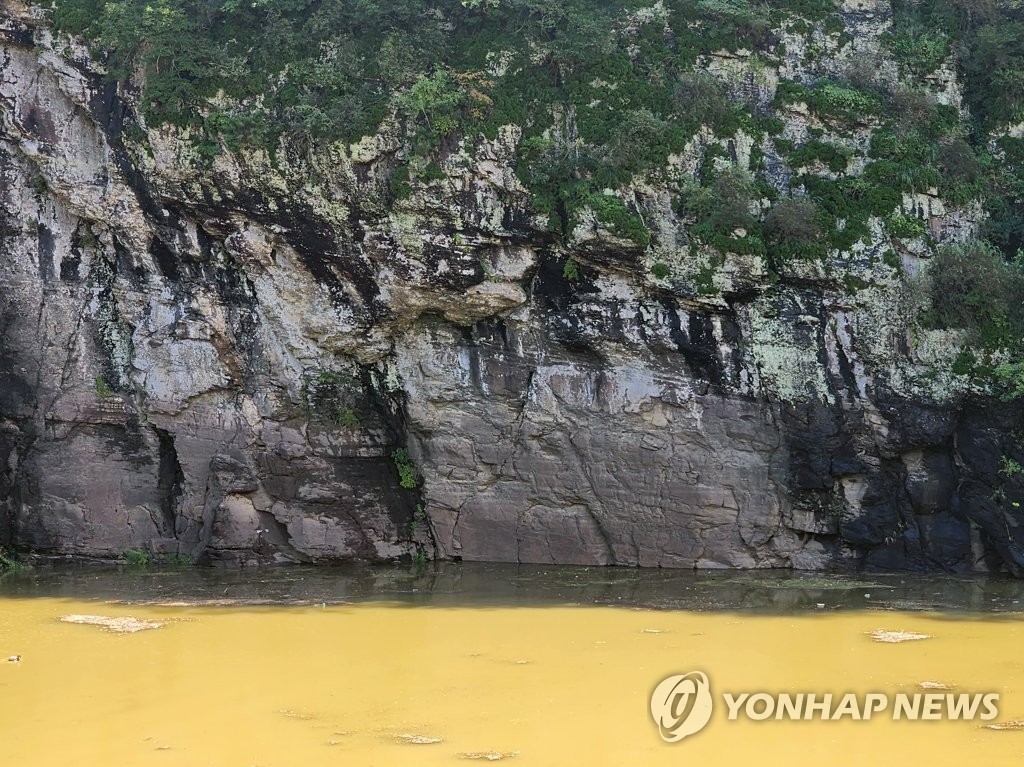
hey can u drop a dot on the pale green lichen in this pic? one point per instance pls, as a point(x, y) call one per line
point(115, 334)
point(789, 366)
point(406, 227)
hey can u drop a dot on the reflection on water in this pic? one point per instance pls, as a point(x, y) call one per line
point(466, 584)
point(465, 663)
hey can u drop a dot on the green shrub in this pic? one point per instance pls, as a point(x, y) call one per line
point(406, 469)
point(831, 100)
point(642, 140)
point(612, 213)
point(794, 218)
point(792, 231)
point(920, 50)
point(660, 270)
point(347, 419)
point(905, 227)
point(723, 206)
point(992, 60)
point(705, 280)
point(973, 288)
point(436, 99)
point(835, 156)
point(853, 201)
point(963, 175)
point(1009, 377)
point(136, 558)
point(701, 99)
point(838, 100)
point(400, 182)
point(917, 117)
point(770, 124)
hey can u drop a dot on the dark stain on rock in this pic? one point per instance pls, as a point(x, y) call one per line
point(164, 258)
point(170, 480)
point(44, 238)
point(696, 343)
point(71, 262)
point(39, 123)
point(555, 286)
point(14, 32)
point(18, 394)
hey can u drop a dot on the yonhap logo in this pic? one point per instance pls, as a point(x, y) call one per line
point(681, 705)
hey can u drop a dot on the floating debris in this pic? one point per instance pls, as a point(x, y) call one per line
point(651, 631)
point(1015, 724)
point(419, 740)
point(489, 756)
point(934, 686)
point(808, 583)
point(117, 625)
point(14, 659)
point(303, 716)
point(895, 637)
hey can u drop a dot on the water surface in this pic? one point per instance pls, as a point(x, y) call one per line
point(464, 663)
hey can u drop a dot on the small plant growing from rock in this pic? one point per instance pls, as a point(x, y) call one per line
point(346, 418)
point(103, 390)
point(85, 238)
point(419, 517)
point(489, 273)
point(660, 271)
point(406, 470)
point(136, 558)
point(890, 259)
point(326, 395)
point(571, 270)
point(905, 227)
point(8, 563)
point(1009, 467)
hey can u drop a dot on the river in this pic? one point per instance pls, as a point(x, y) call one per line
point(300, 667)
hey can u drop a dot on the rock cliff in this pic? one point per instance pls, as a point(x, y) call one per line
point(256, 358)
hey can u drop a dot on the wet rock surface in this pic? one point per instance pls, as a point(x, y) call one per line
point(217, 362)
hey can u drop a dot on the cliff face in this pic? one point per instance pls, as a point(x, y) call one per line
point(220, 359)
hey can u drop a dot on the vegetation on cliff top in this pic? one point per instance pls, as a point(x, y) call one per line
point(603, 92)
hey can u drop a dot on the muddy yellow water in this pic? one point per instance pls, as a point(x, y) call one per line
point(382, 684)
